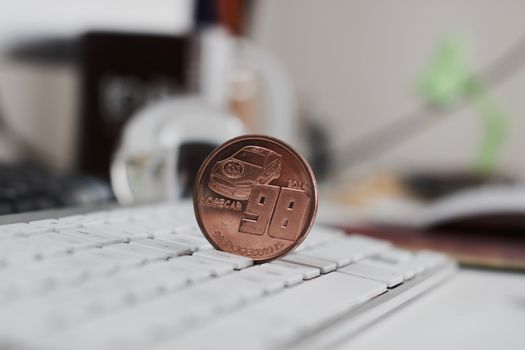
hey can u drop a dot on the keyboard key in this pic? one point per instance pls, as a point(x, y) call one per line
point(390, 278)
point(82, 220)
point(130, 233)
point(239, 262)
point(152, 279)
point(145, 253)
point(269, 283)
point(320, 235)
point(346, 251)
point(89, 264)
point(23, 282)
point(323, 265)
point(24, 249)
point(215, 267)
point(406, 269)
point(122, 259)
point(191, 273)
point(23, 229)
point(55, 225)
point(429, 260)
point(394, 255)
point(101, 238)
point(152, 228)
point(192, 242)
point(306, 271)
point(70, 242)
point(171, 249)
point(289, 278)
point(41, 246)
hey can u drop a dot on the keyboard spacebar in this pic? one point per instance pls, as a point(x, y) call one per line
point(286, 315)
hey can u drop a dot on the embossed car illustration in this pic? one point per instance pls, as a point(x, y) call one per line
point(234, 177)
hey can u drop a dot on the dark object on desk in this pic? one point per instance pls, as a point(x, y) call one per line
point(480, 227)
point(120, 74)
point(496, 223)
point(25, 188)
point(495, 209)
point(495, 251)
point(430, 185)
point(500, 251)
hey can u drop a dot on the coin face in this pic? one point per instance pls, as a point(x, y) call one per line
point(255, 196)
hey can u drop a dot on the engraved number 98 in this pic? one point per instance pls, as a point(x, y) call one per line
point(278, 211)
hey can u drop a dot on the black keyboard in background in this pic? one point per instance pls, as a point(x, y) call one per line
point(26, 188)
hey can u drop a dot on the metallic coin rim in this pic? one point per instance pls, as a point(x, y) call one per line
point(309, 174)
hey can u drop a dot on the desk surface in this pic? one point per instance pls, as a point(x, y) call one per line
point(473, 310)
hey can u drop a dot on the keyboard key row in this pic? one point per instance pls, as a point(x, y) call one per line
point(181, 285)
point(286, 315)
point(44, 245)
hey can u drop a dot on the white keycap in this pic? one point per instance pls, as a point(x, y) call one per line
point(20, 249)
point(289, 278)
point(151, 227)
point(38, 246)
point(123, 289)
point(391, 279)
point(23, 229)
point(266, 282)
point(20, 282)
point(313, 241)
point(320, 235)
point(36, 278)
point(130, 233)
point(92, 266)
point(230, 291)
point(306, 271)
point(50, 274)
point(191, 273)
point(154, 278)
point(429, 260)
point(147, 254)
point(173, 267)
point(82, 220)
point(192, 242)
point(171, 249)
point(323, 265)
point(115, 219)
point(406, 269)
point(101, 238)
point(290, 313)
point(106, 295)
point(394, 255)
point(69, 242)
point(55, 225)
point(346, 251)
point(215, 267)
point(31, 316)
point(240, 262)
point(122, 259)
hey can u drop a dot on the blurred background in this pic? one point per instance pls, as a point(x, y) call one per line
point(396, 104)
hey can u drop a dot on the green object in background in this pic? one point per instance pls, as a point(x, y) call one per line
point(448, 80)
point(445, 80)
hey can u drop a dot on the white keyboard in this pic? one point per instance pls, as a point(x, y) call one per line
point(146, 278)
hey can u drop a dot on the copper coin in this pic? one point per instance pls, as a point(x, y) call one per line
point(256, 197)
